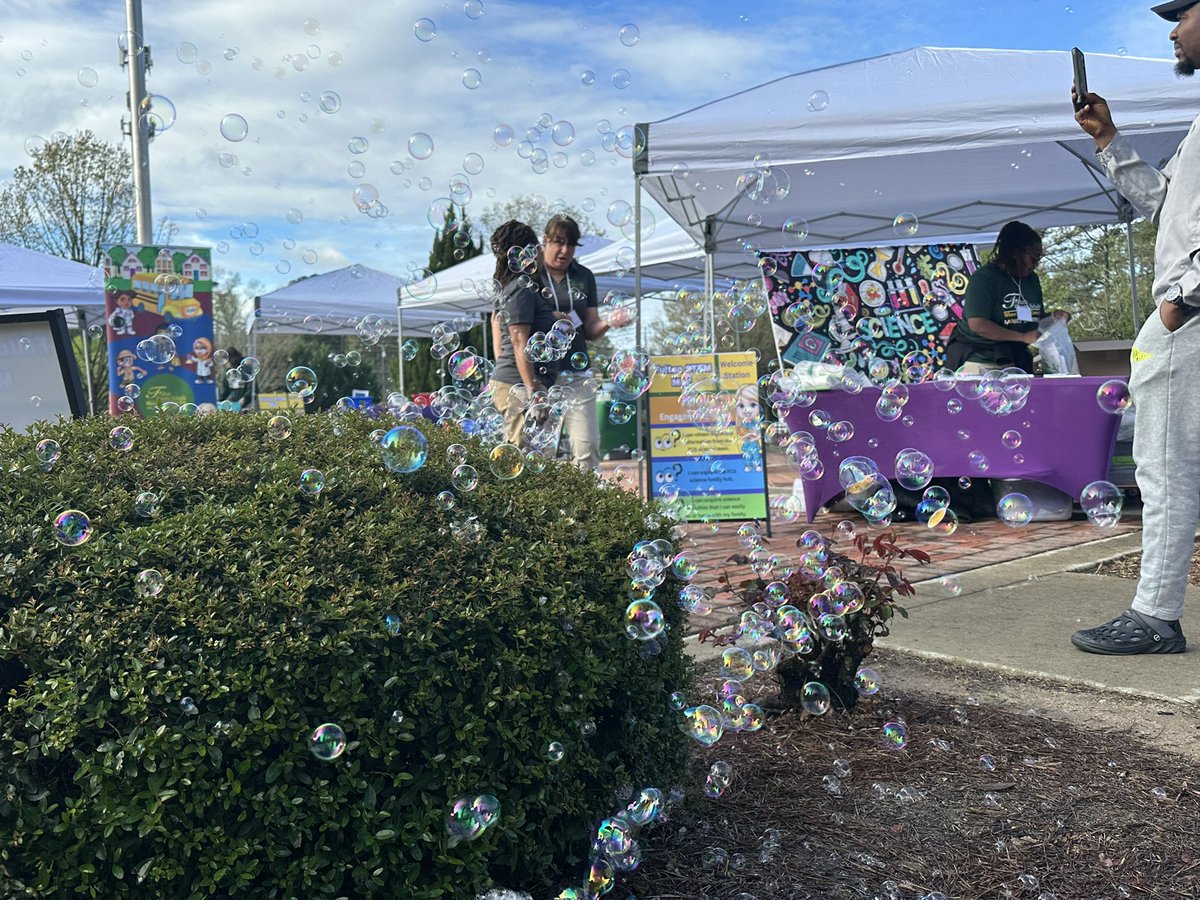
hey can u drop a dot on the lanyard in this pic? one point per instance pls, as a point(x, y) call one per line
point(554, 290)
point(1021, 301)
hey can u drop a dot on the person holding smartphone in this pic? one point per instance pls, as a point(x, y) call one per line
point(1164, 363)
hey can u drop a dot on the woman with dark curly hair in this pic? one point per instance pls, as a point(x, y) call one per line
point(519, 311)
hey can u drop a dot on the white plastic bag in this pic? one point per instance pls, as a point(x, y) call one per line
point(1057, 351)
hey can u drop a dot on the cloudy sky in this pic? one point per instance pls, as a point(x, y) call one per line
point(288, 119)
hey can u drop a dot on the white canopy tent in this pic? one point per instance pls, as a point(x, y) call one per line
point(957, 142)
point(31, 281)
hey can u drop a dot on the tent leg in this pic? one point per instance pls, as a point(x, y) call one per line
point(399, 346)
point(637, 294)
point(1137, 319)
point(87, 359)
point(710, 247)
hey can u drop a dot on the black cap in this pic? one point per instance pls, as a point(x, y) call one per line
point(1170, 11)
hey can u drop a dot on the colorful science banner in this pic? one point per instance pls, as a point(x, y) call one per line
point(706, 437)
point(158, 302)
point(859, 306)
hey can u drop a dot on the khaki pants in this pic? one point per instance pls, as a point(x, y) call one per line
point(512, 410)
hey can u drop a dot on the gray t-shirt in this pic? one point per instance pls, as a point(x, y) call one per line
point(577, 291)
point(519, 305)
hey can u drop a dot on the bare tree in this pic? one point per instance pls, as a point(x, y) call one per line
point(72, 199)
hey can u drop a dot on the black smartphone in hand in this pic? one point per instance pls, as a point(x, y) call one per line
point(1080, 67)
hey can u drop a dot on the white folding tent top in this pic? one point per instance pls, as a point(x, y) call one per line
point(30, 281)
point(335, 302)
point(961, 141)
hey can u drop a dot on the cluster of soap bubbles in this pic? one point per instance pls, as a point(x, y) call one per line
point(615, 846)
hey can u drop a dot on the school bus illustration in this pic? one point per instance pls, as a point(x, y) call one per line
point(168, 295)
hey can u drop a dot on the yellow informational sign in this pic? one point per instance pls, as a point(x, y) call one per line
point(705, 435)
point(282, 400)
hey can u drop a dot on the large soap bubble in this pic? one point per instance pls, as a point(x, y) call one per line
point(404, 449)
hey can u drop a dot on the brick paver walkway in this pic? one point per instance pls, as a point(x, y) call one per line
point(972, 546)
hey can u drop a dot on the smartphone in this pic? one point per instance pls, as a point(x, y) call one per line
point(1080, 67)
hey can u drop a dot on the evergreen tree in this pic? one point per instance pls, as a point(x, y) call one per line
point(455, 242)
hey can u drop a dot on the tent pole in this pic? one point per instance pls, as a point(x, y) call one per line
point(710, 248)
point(637, 294)
point(1132, 277)
point(399, 342)
point(87, 358)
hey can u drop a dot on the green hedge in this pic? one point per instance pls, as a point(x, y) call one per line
point(274, 619)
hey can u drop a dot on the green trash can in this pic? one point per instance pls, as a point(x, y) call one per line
point(613, 435)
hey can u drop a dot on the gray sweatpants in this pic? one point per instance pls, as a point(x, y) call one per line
point(1166, 449)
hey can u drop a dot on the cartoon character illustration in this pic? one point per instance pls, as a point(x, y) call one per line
point(122, 318)
point(127, 369)
point(202, 358)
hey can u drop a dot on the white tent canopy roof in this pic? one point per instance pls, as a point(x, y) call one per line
point(334, 302)
point(963, 140)
point(31, 281)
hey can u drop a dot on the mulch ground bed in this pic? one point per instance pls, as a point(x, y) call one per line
point(1127, 567)
point(1053, 811)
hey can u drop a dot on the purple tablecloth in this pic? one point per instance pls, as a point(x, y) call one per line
point(1066, 439)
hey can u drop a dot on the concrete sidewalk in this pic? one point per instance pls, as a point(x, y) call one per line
point(1018, 617)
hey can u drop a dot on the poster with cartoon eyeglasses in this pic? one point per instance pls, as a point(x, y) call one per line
point(706, 437)
point(158, 303)
point(881, 310)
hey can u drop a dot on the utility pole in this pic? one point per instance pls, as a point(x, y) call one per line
point(140, 128)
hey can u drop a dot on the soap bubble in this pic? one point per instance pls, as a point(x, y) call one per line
point(279, 427)
point(814, 697)
point(312, 481)
point(327, 742)
point(895, 736)
point(1011, 439)
point(425, 30)
point(620, 79)
point(404, 449)
point(146, 504)
point(817, 101)
point(795, 228)
point(866, 682)
point(555, 752)
point(464, 478)
point(629, 35)
point(1015, 510)
point(736, 664)
point(914, 469)
point(703, 723)
point(72, 528)
point(301, 380)
point(409, 350)
point(234, 127)
point(469, 817)
point(1102, 501)
point(473, 9)
point(48, 451)
point(121, 438)
point(471, 79)
point(420, 145)
point(1113, 397)
point(148, 583)
point(906, 225)
point(506, 461)
point(643, 620)
point(87, 77)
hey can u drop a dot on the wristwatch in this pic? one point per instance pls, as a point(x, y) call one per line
point(1174, 295)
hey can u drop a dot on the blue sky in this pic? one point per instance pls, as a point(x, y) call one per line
point(281, 202)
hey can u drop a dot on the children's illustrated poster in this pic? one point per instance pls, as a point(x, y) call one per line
point(158, 302)
point(862, 305)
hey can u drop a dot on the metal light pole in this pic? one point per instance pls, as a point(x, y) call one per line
point(135, 56)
